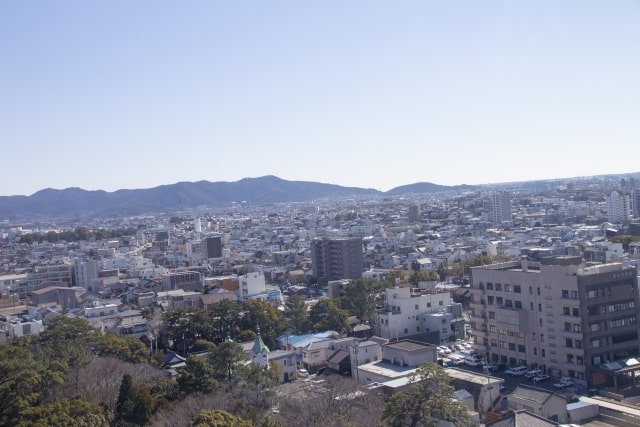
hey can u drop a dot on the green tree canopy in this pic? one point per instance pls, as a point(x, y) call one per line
point(197, 377)
point(429, 398)
point(327, 315)
point(267, 317)
point(360, 297)
point(296, 313)
point(226, 359)
point(218, 418)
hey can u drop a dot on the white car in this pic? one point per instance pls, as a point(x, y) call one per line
point(303, 373)
point(444, 350)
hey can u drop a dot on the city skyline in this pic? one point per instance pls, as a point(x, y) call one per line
point(119, 95)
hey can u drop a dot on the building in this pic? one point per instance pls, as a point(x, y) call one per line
point(187, 280)
point(409, 312)
point(560, 315)
point(337, 258)
point(499, 208)
point(85, 272)
point(619, 209)
point(213, 246)
point(540, 402)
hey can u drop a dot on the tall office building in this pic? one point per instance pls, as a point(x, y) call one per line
point(213, 246)
point(560, 315)
point(499, 208)
point(619, 208)
point(337, 258)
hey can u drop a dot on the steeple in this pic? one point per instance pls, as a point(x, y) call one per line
point(259, 346)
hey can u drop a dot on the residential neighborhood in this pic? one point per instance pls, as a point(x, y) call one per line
point(525, 295)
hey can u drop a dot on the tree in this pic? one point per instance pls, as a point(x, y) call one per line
point(226, 315)
point(430, 398)
point(296, 313)
point(360, 298)
point(326, 315)
point(75, 412)
point(225, 359)
point(257, 392)
point(136, 405)
point(218, 418)
point(261, 313)
point(196, 377)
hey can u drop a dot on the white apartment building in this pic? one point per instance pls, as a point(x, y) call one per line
point(409, 312)
point(619, 210)
point(251, 285)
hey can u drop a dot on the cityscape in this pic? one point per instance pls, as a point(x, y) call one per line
point(523, 296)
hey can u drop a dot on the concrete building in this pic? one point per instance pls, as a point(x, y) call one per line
point(410, 312)
point(251, 285)
point(560, 315)
point(337, 258)
point(499, 208)
point(619, 209)
point(187, 280)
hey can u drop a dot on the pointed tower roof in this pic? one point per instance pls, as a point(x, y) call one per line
point(259, 346)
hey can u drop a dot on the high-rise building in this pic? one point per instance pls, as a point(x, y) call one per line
point(213, 246)
point(337, 258)
point(619, 208)
point(560, 315)
point(499, 208)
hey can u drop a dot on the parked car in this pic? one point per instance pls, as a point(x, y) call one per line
point(563, 382)
point(540, 378)
point(444, 349)
point(303, 373)
point(533, 373)
point(491, 367)
point(472, 361)
point(518, 371)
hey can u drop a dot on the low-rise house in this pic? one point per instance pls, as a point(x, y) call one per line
point(540, 402)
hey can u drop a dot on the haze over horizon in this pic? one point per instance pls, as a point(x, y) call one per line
point(370, 94)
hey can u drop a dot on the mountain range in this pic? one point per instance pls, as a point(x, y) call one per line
point(76, 202)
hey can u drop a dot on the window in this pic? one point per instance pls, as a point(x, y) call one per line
point(535, 351)
point(565, 294)
point(577, 327)
point(538, 290)
point(594, 327)
point(567, 327)
point(507, 288)
point(621, 306)
point(540, 308)
point(596, 360)
point(508, 303)
point(566, 311)
point(518, 304)
point(521, 348)
point(575, 312)
point(569, 358)
point(592, 310)
point(568, 342)
point(416, 306)
point(578, 343)
point(579, 360)
point(494, 343)
point(574, 294)
point(618, 323)
point(629, 336)
point(492, 315)
point(498, 287)
point(492, 328)
point(490, 299)
point(544, 353)
point(440, 302)
point(596, 343)
point(517, 289)
point(444, 320)
point(592, 294)
point(531, 306)
point(541, 337)
point(489, 286)
point(499, 301)
point(512, 346)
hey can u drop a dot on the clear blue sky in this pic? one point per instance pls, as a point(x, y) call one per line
point(376, 94)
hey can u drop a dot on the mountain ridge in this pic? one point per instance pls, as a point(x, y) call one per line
point(76, 202)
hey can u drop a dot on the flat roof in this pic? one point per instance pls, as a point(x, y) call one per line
point(408, 345)
point(472, 377)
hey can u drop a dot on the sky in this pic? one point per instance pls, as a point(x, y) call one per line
point(108, 95)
